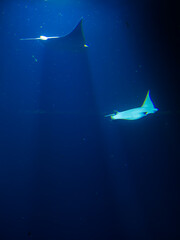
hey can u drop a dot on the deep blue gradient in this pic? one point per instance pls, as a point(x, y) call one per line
point(66, 171)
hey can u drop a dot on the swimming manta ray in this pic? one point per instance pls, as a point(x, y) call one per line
point(136, 113)
point(74, 40)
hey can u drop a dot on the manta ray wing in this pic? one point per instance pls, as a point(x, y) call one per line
point(74, 40)
point(148, 102)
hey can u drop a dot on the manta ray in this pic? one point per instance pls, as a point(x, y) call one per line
point(136, 113)
point(74, 40)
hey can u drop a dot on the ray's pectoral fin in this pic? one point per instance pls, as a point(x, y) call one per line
point(148, 104)
point(74, 40)
point(76, 37)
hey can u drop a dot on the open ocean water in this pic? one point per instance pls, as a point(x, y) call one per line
point(67, 172)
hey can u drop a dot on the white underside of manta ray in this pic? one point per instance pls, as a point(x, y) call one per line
point(136, 113)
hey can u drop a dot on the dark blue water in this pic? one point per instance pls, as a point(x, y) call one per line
point(66, 171)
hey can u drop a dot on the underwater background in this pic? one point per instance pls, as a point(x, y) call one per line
point(66, 171)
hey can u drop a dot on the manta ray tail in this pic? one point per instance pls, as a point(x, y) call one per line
point(109, 115)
